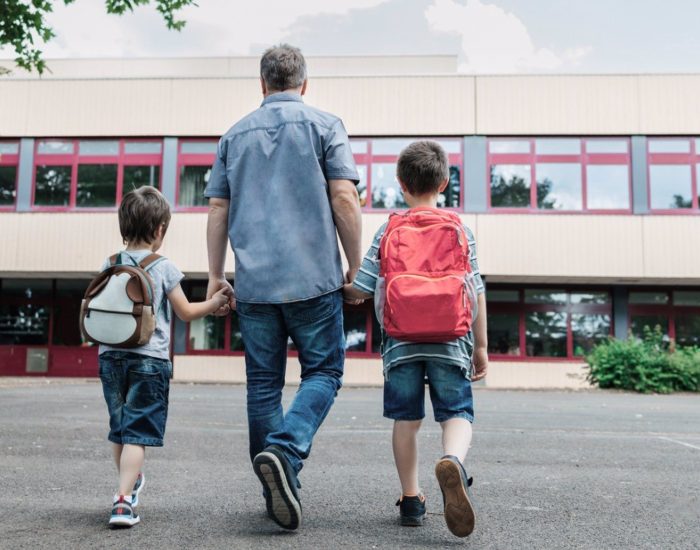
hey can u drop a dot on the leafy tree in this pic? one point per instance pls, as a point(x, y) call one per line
point(23, 24)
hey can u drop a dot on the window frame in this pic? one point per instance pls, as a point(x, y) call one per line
point(192, 159)
point(583, 159)
point(74, 160)
point(12, 160)
point(691, 159)
point(670, 310)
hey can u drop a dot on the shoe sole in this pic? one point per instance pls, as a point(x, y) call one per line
point(124, 522)
point(284, 507)
point(135, 495)
point(412, 522)
point(459, 513)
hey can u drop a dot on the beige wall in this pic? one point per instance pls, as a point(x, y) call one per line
point(517, 248)
point(369, 105)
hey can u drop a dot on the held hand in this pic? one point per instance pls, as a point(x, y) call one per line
point(347, 296)
point(216, 285)
point(350, 274)
point(481, 364)
point(223, 297)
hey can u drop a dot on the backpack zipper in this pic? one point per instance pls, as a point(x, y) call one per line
point(425, 228)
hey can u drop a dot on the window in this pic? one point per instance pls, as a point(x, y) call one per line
point(376, 163)
point(559, 174)
point(76, 174)
point(676, 313)
point(25, 311)
point(9, 159)
point(546, 322)
point(674, 167)
point(194, 168)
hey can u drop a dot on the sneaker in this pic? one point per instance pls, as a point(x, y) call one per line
point(123, 514)
point(138, 487)
point(454, 484)
point(412, 510)
point(280, 487)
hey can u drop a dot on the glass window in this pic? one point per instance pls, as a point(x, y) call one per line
point(558, 146)
point(9, 148)
point(138, 176)
point(198, 147)
point(66, 328)
point(597, 146)
point(504, 333)
point(607, 187)
point(362, 185)
point(638, 322)
point(588, 331)
point(143, 147)
point(386, 191)
point(500, 146)
point(236, 337)
point(510, 185)
point(355, 326)
point(27, 288)
point(669, 146)
point(545, 334)
point(394, 146)
point(52, 185)
point(559, 186)
point(97, 185)
point(449, 198)
point(8, 185)
point(503, 296)
point(26, 324)
point(193, 181)
point(544, 296)
point(358, 147)
point(55, 148)
point(590, 298)
point(688, 329)
point(71, 288)
point(686, 298)
point(208, 333)
point(376, 334)
point(670, 186)
point(648, 297)
point(98, 148)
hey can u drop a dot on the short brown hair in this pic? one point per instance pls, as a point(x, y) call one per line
point(422, 167)
point(141, 213)
point(282, 68)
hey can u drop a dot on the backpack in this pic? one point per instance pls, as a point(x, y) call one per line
point(425, 276)
point(118, 308)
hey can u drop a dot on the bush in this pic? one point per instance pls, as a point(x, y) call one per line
point(648, 365)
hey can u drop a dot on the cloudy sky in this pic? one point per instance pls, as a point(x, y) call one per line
point(490, 36)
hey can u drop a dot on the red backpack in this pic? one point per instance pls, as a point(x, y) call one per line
point(424, 260)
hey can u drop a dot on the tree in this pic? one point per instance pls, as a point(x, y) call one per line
point(23, 24)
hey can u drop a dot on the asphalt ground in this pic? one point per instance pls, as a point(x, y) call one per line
point(552, 470)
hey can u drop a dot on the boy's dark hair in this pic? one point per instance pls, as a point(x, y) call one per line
point(422, 167)
point(282, 68)
point(141, 213)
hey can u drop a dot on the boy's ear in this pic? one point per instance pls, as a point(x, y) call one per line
point(443, 185)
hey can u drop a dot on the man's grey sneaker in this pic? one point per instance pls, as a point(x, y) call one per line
point(454, 484)
point(123, 514)
point(138, 487)
point(412, 510)
point(280, 487)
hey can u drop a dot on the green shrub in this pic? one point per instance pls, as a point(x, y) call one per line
point(648, 365)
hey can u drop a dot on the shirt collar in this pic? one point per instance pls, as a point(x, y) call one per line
point(283, 96)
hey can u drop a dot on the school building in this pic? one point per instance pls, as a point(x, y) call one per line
point(582, 192)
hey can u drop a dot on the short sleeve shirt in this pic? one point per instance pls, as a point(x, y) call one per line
point(166, 276)
point(274, 166)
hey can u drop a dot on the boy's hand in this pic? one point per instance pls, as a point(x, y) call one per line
point(216, 284)
point(347, 296)
point(481, 364)
point(224, 297)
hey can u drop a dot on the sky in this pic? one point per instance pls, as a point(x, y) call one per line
point(488, 36)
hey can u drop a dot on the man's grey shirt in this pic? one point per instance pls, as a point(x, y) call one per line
point(274, 166)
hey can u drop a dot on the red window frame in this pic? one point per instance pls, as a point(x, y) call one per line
point(75, 159)
point(192, 159)
point(692, 159)
point(669, 310)
point(369, 158)
point(10, 159)
point(521, 309)
point(583, 158)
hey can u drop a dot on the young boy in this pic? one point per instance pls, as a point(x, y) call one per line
point(136, 381)
point(449, 367)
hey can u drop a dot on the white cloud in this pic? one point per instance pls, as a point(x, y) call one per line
point(495, 40)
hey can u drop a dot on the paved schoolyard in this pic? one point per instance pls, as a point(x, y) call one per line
point(552, 470)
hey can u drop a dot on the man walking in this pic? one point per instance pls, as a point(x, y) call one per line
point(283, 189)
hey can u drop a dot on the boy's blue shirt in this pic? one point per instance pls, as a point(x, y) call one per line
point(396, 352)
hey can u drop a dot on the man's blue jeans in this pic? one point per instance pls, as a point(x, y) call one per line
point(316, 328)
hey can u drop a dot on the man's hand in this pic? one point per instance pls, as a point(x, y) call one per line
point(216, 284)
point(481, 364)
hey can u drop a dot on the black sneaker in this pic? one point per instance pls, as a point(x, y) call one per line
point(454, 484)
point(123, 514)
point(280, 483)
point(412, 510)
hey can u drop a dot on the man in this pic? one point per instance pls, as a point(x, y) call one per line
point(283, 188)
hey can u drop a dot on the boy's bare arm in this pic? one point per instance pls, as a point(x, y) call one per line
point(196, 310)
point(481, 357)
point(345, 203)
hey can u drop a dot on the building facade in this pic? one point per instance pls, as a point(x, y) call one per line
point(582, 192)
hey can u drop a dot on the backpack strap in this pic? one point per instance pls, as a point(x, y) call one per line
point(150, 261)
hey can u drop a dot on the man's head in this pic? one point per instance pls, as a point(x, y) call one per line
point(282, 68)
point(423, 169)
point(144, 215)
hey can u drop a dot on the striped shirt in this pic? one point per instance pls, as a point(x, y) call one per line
point(396, 352)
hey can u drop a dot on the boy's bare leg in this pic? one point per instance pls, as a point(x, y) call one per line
point(117, 453)
point(405, 445)
point(456, 437)
point(132, 458)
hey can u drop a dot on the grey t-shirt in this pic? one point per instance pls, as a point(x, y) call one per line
point(166, 276)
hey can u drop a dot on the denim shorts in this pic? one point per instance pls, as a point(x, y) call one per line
point(136, 389)
point(450, 391)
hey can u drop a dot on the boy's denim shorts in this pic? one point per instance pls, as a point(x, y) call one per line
point(136, 389)
point(450, 391)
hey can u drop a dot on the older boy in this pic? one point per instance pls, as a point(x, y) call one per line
point(449, 367)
